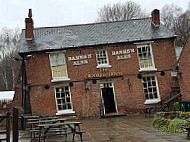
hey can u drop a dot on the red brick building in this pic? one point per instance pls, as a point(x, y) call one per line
point(184, 69)
point(79, 69)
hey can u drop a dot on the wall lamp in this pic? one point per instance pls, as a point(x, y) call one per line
point(71, 84)
point(94, 81)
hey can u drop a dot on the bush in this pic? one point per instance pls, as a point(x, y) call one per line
point(161, 123)
point(177, 125)
point(184, 115)
point(172, 121)
point(160, 114)
point(176, 106)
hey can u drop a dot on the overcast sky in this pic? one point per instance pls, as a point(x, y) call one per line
point(64, 12)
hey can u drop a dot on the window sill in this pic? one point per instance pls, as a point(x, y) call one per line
point(60, 79)
point(66, 112)
point(103, 66)
point(148, 69)
point(153, 101)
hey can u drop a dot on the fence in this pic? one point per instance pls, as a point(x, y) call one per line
point(5, 135)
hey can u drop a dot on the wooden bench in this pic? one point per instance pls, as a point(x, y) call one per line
point(63, 128)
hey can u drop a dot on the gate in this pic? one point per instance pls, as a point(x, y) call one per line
point(7, 119)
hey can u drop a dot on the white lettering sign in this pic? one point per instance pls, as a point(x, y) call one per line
point(120, 52)
point(123, 54)
point(78, 63)
point(80, 57)
point(124, 57)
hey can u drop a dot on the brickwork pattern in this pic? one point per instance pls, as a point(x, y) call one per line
point(184, 66)
point(86, 96)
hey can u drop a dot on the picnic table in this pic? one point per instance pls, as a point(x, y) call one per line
point(62, 128)
point(40, 128)
point(35, 122)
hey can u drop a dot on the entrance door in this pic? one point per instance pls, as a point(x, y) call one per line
point(108, 98)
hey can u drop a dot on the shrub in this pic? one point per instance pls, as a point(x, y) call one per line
point(161, 123)
point(177, 125)
point(184, 115)
point(176, 106)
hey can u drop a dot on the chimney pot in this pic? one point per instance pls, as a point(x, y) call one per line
point(29, 26)
point(155, 15)
point(30, 13)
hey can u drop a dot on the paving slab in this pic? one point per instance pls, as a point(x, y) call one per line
point(120, 129)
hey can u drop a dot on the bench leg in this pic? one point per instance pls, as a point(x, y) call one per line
point(81, 137)
point(73, 136)
point(44, 138)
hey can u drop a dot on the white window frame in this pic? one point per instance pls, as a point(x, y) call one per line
point(155, 100)
point(56, 79)
point(151, 68)
point(66, 111)
point(107, 65)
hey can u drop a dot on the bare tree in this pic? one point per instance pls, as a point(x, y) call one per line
point(170, 15)
point(120, 11)
point(173, 18)
point(9, 68)
point(183, 28)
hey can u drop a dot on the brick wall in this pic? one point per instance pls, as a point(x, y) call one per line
point(184, 66)
point(86, 95)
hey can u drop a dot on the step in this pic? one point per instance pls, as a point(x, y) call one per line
point(109, 115)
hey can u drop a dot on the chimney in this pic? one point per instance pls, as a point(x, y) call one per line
point(29, 35)
point(155, 15)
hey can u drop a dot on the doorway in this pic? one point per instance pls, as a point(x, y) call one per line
point(108, 98)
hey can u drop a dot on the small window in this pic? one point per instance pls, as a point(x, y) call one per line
point(145, 56)
point(150, 88)
point(58, 66)
point(63, 99)
point(102, 58)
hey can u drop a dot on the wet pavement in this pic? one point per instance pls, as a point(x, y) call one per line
point(120, 129)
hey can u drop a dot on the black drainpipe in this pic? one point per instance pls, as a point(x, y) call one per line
point(25, 90)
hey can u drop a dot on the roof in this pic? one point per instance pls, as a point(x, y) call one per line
point(73, 36)
point(6, 96)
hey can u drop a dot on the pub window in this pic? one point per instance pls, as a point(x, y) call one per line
point(63, 99)
point(150, 87)
point(145, 56)
point(102, 59)
point(58, 66)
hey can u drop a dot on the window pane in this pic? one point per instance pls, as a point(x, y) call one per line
point(64, 107)
point(68, 99)
point(155, 95)
point(62, 95)
point(69, 106)
point(59, 101)
point(146, 96)
point(59, 71)
point(57, 59)
point(57, 95)
point(59, 107)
